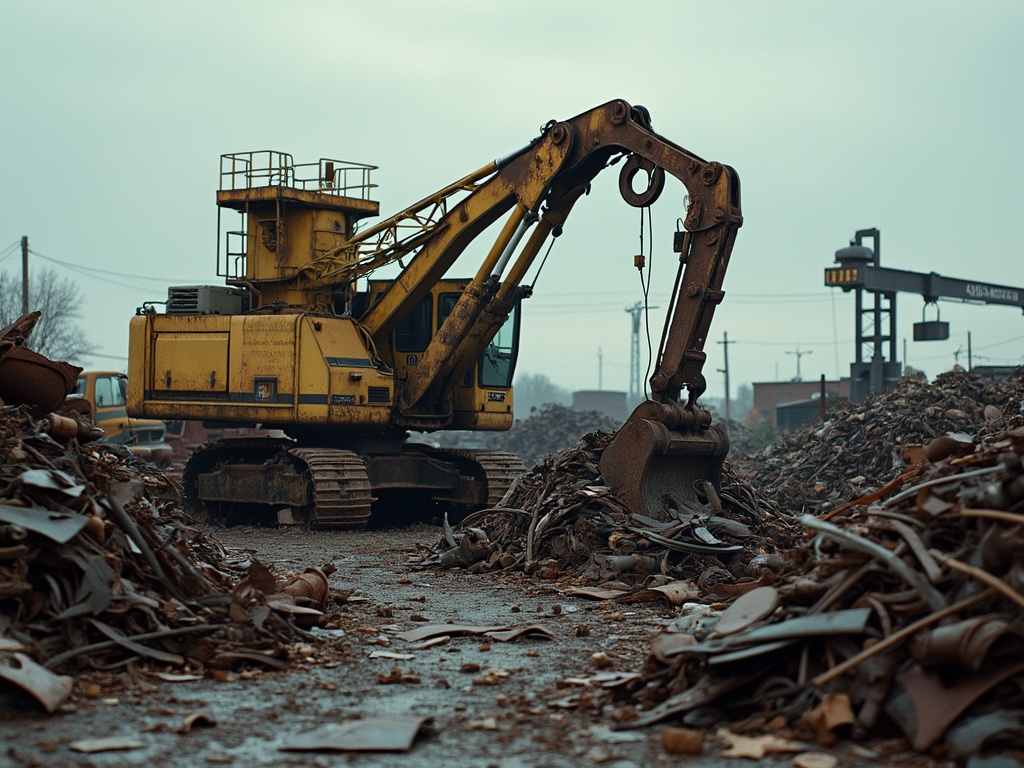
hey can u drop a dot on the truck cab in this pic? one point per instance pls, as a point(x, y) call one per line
point(106, 392)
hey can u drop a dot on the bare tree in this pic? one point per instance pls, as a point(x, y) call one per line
point(534, 390)
point(57, 335)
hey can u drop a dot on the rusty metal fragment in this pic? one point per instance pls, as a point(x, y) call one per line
point(747, 609)
point(436, 630)
point(106, 744)
point(372, 734)
point(926, 707)
point(59, 527)
point(28, 378)
point(972, 736)
point(48, 689)
point(511, 635)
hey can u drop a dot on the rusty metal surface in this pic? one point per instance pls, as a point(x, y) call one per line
point(648, 462)
point(98, 567)
point(36, 381)
point(560, 520)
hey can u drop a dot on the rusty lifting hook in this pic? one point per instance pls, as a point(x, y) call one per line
point(655, 181)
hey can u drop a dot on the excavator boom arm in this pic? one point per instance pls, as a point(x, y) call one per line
point(543, 181)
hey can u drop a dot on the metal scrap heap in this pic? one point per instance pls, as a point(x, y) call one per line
point(864, 580)
point(559, 519)
point(901, 614)
point(98, 567)
point(863, 446)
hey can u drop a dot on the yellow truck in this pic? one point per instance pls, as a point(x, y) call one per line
point(106, 393)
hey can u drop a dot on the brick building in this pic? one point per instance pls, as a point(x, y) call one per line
point(768, 395)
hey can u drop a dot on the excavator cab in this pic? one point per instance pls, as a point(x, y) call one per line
point(481, 399)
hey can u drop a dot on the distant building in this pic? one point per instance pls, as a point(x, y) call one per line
point(611, 404)
point(769, 395)
point(994, 372)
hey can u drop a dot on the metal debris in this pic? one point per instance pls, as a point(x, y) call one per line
point(106, 744)
point(504, 634)
point(372, 734)
point(28, 378)
point(905, 602)
point(47, 688)
point(550, 429)
point(98, 567)
point(861, 447)
point(560, 520)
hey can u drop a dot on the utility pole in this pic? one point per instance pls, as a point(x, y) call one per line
point(24, 275)
point(635, 313)
point(799, 354)
point(970, 361)
point(600, 369)
point(725, 349)
point(634, 352)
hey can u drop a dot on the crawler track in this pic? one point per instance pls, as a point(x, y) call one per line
point(500, 470)
point(341, 489)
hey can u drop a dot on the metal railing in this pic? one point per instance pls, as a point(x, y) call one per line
point(268, 168)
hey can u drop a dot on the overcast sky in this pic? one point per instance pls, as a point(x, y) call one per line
point(838, 116)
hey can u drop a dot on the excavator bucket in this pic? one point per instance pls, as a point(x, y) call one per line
point(647, 464)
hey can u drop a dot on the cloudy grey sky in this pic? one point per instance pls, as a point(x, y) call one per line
point(838, 116)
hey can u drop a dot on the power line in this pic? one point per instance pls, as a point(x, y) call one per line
point(91, 273)
point(1000, 343)
point(791, 343)
point(84, 269)
point(10, 250)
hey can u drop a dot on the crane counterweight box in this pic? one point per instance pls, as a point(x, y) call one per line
point(931, 330)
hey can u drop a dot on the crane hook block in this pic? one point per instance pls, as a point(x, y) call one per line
point(655, 181)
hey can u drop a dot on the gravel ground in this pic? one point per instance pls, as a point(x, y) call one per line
point(490, 703)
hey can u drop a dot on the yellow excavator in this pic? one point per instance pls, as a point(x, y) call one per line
point(302, 339)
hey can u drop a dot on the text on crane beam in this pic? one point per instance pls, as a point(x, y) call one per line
point(976, 291)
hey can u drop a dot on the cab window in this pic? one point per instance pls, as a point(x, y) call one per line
point(109, 392)
point(413, 332)
point(498, 362)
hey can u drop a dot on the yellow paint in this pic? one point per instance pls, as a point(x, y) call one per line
point(277, 370)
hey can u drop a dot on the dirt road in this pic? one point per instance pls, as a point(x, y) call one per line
point(490, 703)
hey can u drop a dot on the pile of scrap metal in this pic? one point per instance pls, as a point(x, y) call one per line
point(98, 568)
point(31, 379)
point(550, 429)
point(903, 614)
point(559, 519)
point(862, 446)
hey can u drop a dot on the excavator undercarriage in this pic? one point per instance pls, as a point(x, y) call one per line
point(266, 480)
